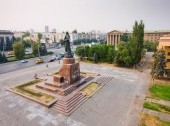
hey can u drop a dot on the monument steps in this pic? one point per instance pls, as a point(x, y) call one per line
point(67, 107)
point(68, 110)
point(66, 104)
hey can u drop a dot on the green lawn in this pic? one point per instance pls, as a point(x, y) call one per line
point(24, 89)
point(157, 107)
point(150, 120)
point(161, 91)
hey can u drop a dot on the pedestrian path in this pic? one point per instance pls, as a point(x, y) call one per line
point(163, 102)
point(162, 116)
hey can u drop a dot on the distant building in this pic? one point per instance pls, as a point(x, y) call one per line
point(46, 29)
point(53, 30)
point(113, 37)
point(164, 44)
point(73, 37)
point(155, 36)
point(6, 40)
point(31, 31)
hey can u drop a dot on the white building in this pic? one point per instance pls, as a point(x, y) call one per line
point(6, 40)
point(73, 37)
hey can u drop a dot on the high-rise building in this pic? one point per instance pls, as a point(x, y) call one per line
point(46, 29)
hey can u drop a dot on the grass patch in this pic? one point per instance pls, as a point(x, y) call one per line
point(32, 93)
point(161, 91)
point(90, 89)
point(157, 107)
point(149, 120)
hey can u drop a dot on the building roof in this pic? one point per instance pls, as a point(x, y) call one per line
point(115, 31)
point(5, 32)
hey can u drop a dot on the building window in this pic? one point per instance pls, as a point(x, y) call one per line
point(168, 60)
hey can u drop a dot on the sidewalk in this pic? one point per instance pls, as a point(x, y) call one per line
point(162, 116)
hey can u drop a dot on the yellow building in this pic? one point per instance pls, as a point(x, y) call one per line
point(164, 44)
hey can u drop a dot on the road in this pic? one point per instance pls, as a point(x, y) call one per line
point(116, 104)
point(16, 65)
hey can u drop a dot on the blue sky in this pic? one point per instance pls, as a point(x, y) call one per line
point(84, 15)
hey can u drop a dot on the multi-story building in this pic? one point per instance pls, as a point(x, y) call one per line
point(113, 37)
point(155, 36)
point(73, 37)
point(6, 40)
point(46, 29)
point(164, 44)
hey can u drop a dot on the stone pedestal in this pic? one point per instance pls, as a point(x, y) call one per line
point(70, 70)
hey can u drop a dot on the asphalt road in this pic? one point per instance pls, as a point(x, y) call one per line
point(116, 104)
point(16, 65)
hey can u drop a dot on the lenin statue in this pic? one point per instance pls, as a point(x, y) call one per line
point(68, 53)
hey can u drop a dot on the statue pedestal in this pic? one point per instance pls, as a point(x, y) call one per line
point(70, 70)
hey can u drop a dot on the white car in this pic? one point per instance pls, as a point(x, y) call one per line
point(24, 61)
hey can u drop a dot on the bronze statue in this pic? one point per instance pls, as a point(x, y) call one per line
point(68, 53)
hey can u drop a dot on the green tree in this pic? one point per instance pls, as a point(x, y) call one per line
point(39, 48)
point(159, 64)
point(124, 37)
point(39, 36)
point(74, 31)
point(25, 34)
point(19, 50)
point(110, 54)
point(150, 46)
point(136, 42)
point(123, 57)
point(3, 58)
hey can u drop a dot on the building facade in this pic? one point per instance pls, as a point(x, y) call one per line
point(46, 29)
point(6, 40)
point(113, 37)
point(164, 44)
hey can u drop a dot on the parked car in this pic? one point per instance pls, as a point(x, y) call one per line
point(39, 60)
point(24, 61)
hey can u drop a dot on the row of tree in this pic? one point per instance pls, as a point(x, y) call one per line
point(37, 47)
point(97, 53)
point(129, 51)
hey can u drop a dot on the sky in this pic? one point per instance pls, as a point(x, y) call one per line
point(83, 15)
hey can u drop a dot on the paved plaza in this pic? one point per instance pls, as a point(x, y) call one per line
point(118, 103)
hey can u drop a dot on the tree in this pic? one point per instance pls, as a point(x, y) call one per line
point(39, 48)
point(136, 42)
point(150, 46)
point(123, 57)
point(25, 34)
point(19, 50)
point(39, 36)
point(3, 58)
point(110, 54)
point(124, 37)
point(159, 64)
point(74, 31)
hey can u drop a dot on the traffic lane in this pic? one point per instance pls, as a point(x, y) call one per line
point(17, 65)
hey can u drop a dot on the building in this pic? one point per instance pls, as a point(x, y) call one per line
point(53, 30)
point(46, 29)
point(6, 40)
point(164, 44)
point(113, 37)
point(155, 36)
point(73, 37)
